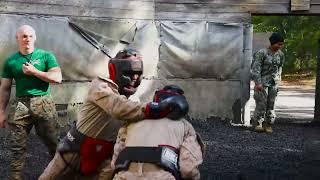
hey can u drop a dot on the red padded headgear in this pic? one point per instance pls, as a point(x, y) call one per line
point(123, 67)
point(167, 91)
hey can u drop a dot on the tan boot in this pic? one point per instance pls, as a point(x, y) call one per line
point(257, 125)
point(259, 128)
point(267, 128)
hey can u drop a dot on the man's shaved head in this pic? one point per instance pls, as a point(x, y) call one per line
point(26, 37)
point(25, 28)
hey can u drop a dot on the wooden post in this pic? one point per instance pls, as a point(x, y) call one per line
point(317, 95)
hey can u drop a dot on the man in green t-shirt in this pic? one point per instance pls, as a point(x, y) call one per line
point(32, 69)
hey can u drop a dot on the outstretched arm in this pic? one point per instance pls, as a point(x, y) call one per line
point(104, 95)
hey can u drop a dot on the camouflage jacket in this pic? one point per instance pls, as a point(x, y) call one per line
point(267, 67)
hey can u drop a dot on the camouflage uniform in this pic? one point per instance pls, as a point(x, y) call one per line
point(266, 70)
point(148, 133)
point(26, 112)
point(33, 105)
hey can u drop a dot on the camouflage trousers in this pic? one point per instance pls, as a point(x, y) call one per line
point(66, 166)
point(265, 101)
point(25, 113)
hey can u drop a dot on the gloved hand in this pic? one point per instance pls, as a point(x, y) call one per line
point(174, 107)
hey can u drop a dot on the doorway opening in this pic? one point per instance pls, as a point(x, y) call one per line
point(296, 98)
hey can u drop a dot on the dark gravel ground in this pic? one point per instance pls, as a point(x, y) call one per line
point(36, 160)
point(239, 153)
point(235, 153)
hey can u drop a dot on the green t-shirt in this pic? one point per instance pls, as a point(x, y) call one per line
point(25, 84)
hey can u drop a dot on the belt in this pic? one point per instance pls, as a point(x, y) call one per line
point(31, 96)
point(146, 167)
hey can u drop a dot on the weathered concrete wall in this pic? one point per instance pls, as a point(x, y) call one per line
point(120, 9)
point(260, 40)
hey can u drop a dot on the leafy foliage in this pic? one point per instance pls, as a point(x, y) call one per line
point(301, 35)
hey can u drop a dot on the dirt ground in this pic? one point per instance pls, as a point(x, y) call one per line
point(299, 80)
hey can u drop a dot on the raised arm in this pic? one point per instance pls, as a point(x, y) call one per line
point(52, 76)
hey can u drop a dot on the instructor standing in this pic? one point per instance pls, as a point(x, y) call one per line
point(32, 69)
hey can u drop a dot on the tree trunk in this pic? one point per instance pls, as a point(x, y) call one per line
point(317, 95)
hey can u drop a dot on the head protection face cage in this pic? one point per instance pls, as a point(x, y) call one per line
point(179, 107)
point(167, 91)
point(123, 68)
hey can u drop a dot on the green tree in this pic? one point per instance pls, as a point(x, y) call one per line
point(301, 34)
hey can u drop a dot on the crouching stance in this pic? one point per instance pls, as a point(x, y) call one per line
point(166, 149)
point(86, 151)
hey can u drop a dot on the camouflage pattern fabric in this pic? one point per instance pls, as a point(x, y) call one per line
point(267, 67)
point(25, 113)
point(265, 100)
point(266, 70)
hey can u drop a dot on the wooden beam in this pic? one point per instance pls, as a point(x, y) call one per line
point(133, 4)
point(127, 12)
point(213, 17)
point(222, 8)
point(223, 1)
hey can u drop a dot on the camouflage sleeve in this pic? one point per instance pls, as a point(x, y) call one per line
point(118, 106)
point(119, 145)
point(256, 68)
point(190, 154)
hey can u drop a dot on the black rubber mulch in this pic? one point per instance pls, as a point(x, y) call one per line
point(292, 151)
